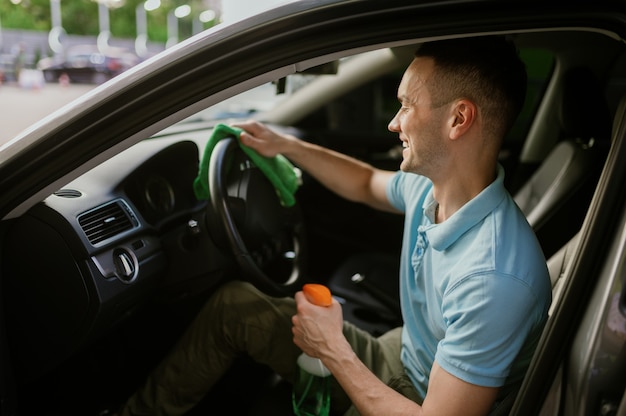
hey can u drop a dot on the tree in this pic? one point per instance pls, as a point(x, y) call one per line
point(80, 17)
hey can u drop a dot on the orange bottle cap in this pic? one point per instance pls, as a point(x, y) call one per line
point(317, 294)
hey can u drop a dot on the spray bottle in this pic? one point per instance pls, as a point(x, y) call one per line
point(311, 390)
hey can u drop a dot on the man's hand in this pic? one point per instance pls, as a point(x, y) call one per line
point(316, 328)
point(261, 138)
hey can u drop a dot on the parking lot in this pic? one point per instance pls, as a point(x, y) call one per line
point(21, 107)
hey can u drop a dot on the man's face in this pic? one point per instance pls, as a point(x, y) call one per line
point(420, 127)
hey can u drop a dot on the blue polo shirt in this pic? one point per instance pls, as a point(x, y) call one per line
point(474, 290)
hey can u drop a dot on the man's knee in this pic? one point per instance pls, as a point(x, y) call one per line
point(237, 292)
point(239, 301)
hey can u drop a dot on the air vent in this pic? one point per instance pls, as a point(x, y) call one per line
point(107, 221)
point(68, 193)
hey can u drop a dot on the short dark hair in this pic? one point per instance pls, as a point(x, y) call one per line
point(486, 70)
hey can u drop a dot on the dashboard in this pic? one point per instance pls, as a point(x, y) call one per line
point(129, 231)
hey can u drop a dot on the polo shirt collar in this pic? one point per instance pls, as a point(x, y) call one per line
point(441, 236)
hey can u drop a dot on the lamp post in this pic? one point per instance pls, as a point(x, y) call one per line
point(141, 15)
point(104, 23)
point(56, 32)
point(172, 23)
point(204, 17)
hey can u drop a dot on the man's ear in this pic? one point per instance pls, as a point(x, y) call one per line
point(463, 116)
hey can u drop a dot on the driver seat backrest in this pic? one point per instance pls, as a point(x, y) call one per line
point(556, 197)
point(558, 267)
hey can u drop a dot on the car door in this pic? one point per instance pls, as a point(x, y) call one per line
point(580, 363)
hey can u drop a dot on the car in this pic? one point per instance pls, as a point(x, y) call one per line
point(107, 254)
point(86, 64)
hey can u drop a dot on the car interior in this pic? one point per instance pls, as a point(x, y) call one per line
point(125, 254)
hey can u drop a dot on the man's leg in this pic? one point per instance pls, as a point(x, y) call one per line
point(237, 319)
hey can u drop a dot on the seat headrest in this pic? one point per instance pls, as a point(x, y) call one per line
point(584, 111)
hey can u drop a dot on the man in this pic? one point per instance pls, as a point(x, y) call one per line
point(474, 286)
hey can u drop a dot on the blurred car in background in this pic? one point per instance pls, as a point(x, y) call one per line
point(87, 64)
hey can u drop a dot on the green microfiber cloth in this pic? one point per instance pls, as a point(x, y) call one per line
point(278, 169)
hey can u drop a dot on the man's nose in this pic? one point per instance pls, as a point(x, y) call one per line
point(394, 125)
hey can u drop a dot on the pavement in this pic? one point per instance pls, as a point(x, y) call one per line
point(21, 107)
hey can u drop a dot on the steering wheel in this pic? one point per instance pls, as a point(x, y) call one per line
point(266, 238)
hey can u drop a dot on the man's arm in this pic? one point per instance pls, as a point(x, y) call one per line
point(318, 332)
point(346, 176)
point(447, 394)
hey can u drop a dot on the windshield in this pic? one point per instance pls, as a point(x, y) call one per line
point(257, 100)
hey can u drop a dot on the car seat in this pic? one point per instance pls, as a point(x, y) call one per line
point(556, 197)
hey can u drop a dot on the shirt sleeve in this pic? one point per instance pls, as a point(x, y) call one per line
point(482, 340)
point(394, 191)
